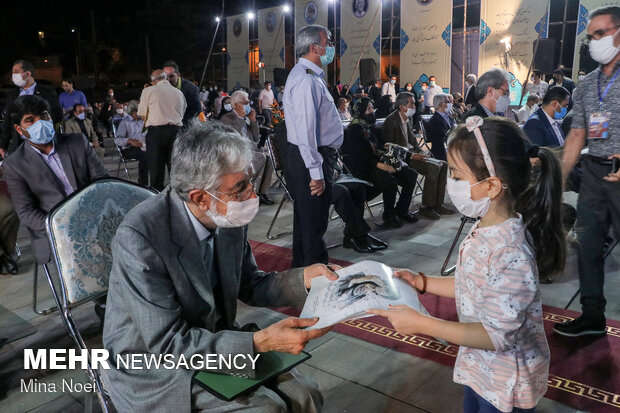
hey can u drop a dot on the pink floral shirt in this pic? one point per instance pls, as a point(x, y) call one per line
point(496, 284)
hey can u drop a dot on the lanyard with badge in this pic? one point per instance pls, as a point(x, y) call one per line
point(599, 121)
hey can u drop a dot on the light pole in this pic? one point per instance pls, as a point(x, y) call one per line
point(333, 2)
point(218, 20)
point(287, 9)
point(250, 34)
point(77, 52)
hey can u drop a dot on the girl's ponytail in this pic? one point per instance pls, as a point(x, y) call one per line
point(540, 204)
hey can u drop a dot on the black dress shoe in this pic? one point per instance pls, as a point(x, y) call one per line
point(375, 243)
point(9, 264)
point(265, 200)
point(392, 222)
point(409, 217)
point(357, 245)
point(582, 326)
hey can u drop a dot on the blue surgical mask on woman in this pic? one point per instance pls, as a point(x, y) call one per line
point(41, 132)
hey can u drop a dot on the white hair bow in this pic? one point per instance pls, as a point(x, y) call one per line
point(473, 124)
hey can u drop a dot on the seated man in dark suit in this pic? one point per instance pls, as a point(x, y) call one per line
point(492, 94)
point(181, 260)
point(541, 127)
point(440, 125)
point(396, 129)
point(45, 170)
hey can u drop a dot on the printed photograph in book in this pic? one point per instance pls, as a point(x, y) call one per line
point(361, 286)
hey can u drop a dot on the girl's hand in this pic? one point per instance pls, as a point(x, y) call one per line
point(413, 278)
point(405, 319)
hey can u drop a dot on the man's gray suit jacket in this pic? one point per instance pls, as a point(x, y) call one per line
point(160, 300)
point(35, 190)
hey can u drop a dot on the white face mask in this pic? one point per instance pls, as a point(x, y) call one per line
point(603, 50)
point(119, 111)
point(449, 108)
point(410, 112)
point(460, 194)
point(227, 107)
point(238, 213)
point(17, 79)
point(502, 103)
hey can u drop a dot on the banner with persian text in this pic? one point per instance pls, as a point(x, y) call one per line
point(310, 12)
point(517, 23)
point(360, 36)
point(585, 7)
point(425, 42)
point(238, 46)
point(271, 40)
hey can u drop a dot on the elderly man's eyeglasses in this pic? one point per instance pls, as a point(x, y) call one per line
point(242, 195)
point(505, 92)
point(599, 34)
point(329, 44)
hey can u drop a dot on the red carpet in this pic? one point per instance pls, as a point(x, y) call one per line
point(584, 373)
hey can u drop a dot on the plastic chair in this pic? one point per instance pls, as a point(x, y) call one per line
point(80, 231)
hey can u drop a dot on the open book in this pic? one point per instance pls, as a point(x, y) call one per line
point(361, 286)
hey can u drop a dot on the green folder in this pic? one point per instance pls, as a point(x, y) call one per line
point(269, 365)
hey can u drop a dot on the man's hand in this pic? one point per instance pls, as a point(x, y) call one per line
point(252, 116)
point(419, 157)
point(95, 144)
point(613, 177)
point(286, 335)
point(134, 142)
point(317, 187)
point(405, 319)
point(2, 152)
point(385, 167)
point(317, 270)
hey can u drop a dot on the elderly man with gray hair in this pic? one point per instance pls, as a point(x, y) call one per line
point(162, 107)
point(492, 94)
point(131, 139)
point(470, 90)
point(242, 118)
point(181, 260)
point(439, 125)
point(314, 133)
point(397, 129)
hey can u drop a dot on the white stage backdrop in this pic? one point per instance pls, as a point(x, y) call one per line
point(522, 20)
point(425, 42)
point(310, 12)
point(356, 20)
point(238, 45)
point(585, 7)
point(271, 40)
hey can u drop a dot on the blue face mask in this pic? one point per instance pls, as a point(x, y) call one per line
point(561, 114)
point(81, 116)
point(247, 109)
point(328, 57)
point(41, 132)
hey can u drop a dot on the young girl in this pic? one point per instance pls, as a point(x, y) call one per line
point(503, 361)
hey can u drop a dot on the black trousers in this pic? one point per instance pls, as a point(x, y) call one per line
point(159, 141)
point(311, 212)
point(435, 178)
point(143, 166)
point(387, 184)
point(348, 200)
point(598, 209)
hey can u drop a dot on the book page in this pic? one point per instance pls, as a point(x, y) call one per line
point(361, 286)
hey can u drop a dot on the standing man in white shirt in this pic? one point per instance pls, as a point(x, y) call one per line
point(314, 134)
point(537, 85)
point(389, 88)
point(162, 107)
point(430, 93)
point(265, 101)
point(528, 109)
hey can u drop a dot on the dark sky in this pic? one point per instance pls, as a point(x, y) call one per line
point(181, 30)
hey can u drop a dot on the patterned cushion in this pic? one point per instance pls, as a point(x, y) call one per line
point(82, 230)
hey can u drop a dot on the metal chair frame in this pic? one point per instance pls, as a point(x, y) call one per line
point(65, 307)
point(276, 163)
point(447, 271)
point(122, 159)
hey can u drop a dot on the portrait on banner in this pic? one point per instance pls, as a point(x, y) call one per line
point(270, 22)
point(310, 12)
point(360, 8)
point(237, 28)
